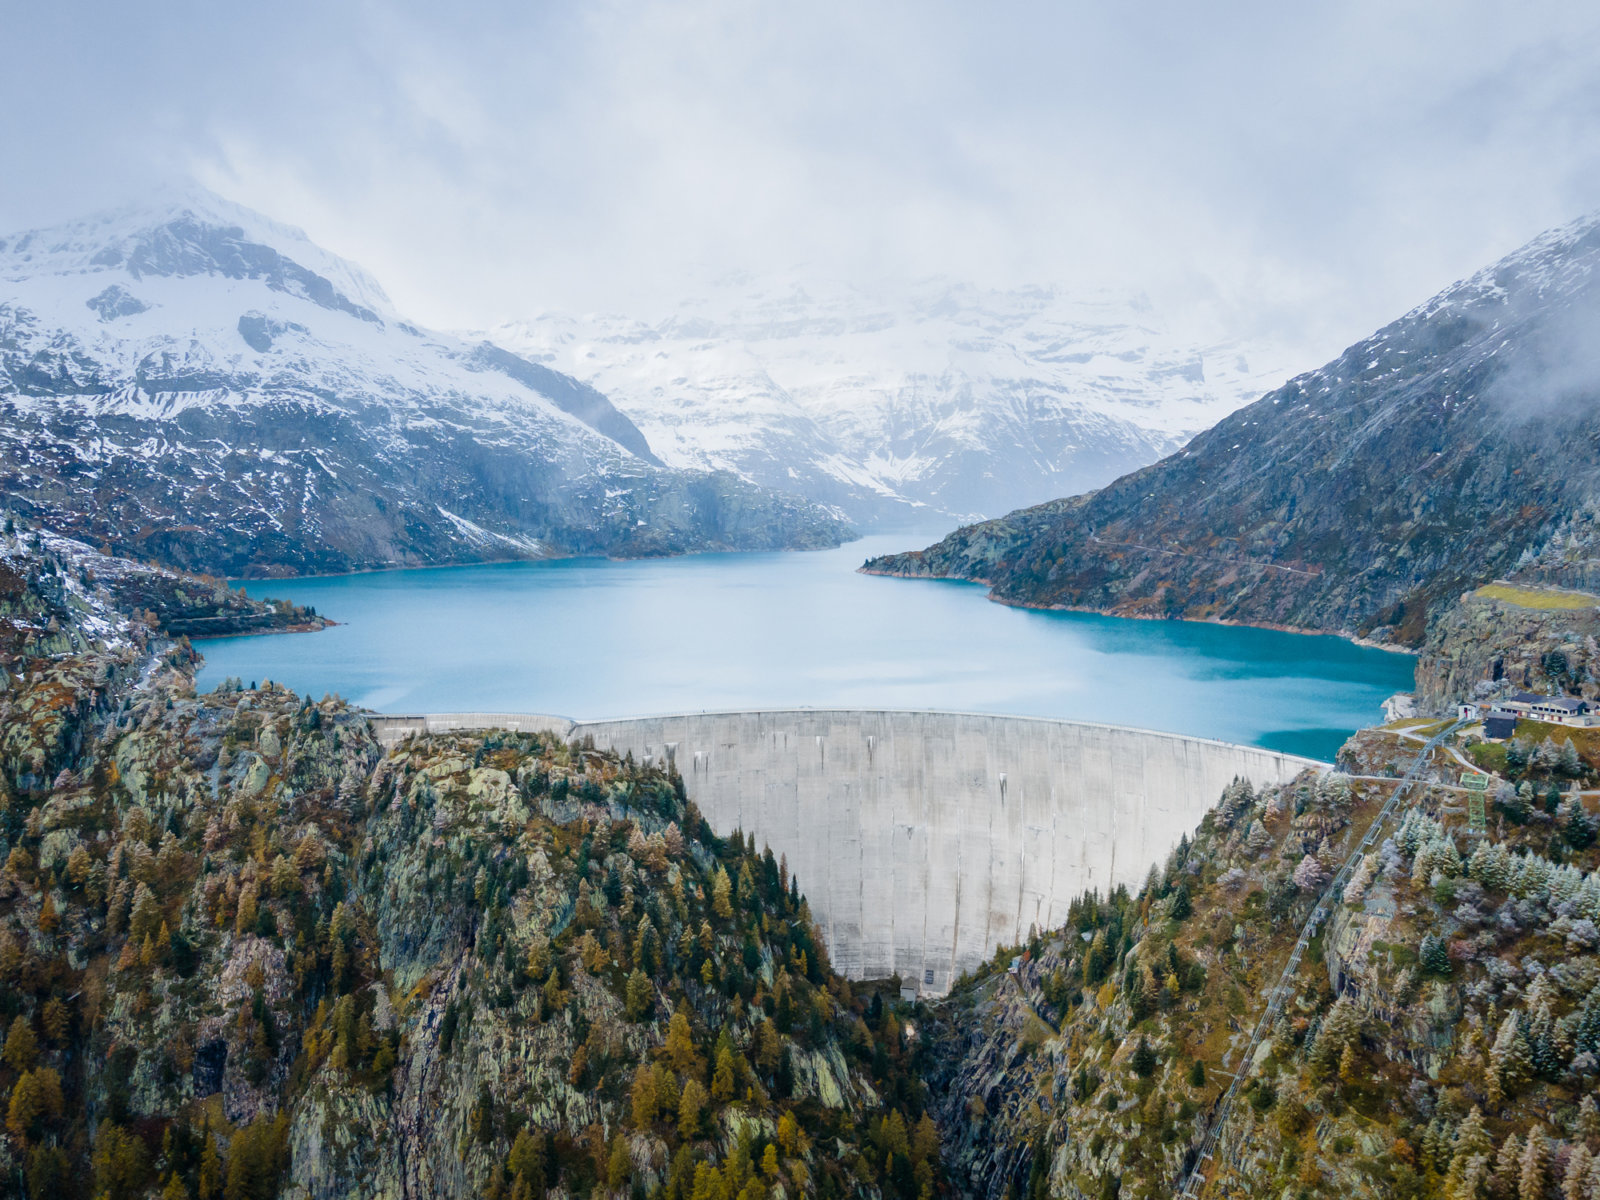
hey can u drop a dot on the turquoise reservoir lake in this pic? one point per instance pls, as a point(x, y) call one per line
point(592, 638)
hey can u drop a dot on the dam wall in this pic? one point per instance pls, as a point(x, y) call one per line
point(924, 840)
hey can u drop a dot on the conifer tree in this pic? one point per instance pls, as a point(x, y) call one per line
point(1575, 1183)
point(643, 1097)
point(690, 1105)
point(722, 1079)
point(1543, 1056)
point(1356, 890)
point(1468, 1159)
point(1586, 1036)
point(679, 1048)
point(619, 1166)
point(1469, 1177)
point(639, 997)
point(1531, 1170)
point(1507, 1166)
point(1347, 1064)
point(1508, 1060)
point(21, 1048)
point(1182, 905)
point(49, 918)
point(35, 1097)
point(244, 921)
point(1340, 1028)
point(1589, 1120)
point(526, 1161)
point(209, 1178)
point(57, 1020)
point(146, 918)
point(1143, 1059)
point(1567, 760)
point(1434, 956)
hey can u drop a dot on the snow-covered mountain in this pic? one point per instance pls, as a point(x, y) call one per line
point(189, 381)
point(939, 399)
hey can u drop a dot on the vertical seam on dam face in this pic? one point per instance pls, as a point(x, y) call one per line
point(924, 840)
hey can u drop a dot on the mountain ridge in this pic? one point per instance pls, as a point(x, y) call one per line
point(896, 402)
point(1443, 451)
point(195, 382)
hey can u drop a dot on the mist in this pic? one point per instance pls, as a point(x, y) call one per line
point(1267, 171)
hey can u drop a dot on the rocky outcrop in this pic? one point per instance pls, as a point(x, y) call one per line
point(1486, 645)
point(59, 596)
point(1446, 1012)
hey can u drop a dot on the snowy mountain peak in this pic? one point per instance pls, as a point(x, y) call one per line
point(1559, 262)
point(188, 378)
point(186, 230)
point(900, 401)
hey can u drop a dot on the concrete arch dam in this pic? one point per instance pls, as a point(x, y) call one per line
point(924, 840)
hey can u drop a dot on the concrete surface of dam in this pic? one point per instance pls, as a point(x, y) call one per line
point(924, 840)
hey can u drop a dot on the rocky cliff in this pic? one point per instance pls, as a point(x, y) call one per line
point(58, 596)
point(1503, 637)
point(1453, 446)
point(245, 952)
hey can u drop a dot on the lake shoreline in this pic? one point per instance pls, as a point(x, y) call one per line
point(1343, 635)
point(769, 630)
point(533, 559)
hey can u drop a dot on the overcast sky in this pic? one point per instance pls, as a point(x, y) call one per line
point(1307, 169)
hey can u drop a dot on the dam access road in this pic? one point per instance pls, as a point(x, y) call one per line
point(924, 840)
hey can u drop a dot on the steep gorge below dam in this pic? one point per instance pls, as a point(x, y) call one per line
point(924, 840)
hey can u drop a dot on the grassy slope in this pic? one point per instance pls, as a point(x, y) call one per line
point(1537, 598)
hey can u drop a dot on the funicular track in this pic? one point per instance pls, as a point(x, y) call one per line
point(1193, 1184)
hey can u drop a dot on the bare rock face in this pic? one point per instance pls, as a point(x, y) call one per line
point(1484, 646)
point(1093, 1060)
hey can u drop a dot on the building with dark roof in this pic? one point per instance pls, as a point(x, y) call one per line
point(1497, 727)
point(1556, 710)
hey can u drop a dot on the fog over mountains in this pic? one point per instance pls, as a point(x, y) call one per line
point(934, 401)
point(185, 379)
point(1455, 444)
point(190, 381)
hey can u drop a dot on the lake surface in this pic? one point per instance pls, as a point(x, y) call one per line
point(591, 638)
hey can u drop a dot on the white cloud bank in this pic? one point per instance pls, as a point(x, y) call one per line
point(1305, 170)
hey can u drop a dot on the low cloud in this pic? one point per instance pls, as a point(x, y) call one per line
point(1307, 173)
